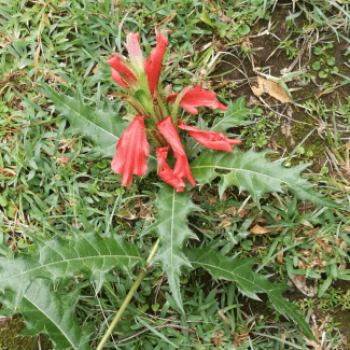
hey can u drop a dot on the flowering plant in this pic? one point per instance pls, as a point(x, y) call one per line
point(145, 94)
point(156, 118)
point(154, 127)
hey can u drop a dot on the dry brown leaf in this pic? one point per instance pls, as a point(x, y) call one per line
point(7, 172)
point(224, 18)
point(280, 259)
point(232, 210)
point(37, 54)
point(97, 67)
point(271, 88)
point(226, 320)
point(226, 223)
point(48, 74)
point(286, 128)
point(243, 213)
point(259, 230)
point(301, 265)
point(301, 283)
point(311, 232)
point(210, 199)
point(172, 14)
point(218, 339)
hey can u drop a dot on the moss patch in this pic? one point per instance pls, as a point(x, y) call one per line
point(11, 340)
point(342, 318)
point(299, 131)
point(313, 143)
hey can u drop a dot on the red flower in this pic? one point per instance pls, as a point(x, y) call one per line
point(165, 171)
point(121, 74)
point(64, 159)
point(154, 62)
point(197, 98)
point(182, 168)
point(132, 150)
point(135, 53)
point(209, 139)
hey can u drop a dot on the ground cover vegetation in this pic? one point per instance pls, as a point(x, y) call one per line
point(256, 254)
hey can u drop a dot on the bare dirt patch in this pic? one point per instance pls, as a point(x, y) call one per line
point(277, 50)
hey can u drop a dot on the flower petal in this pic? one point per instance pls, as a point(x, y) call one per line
point(209, 139)
point(120, 72)
point(182, 168)
point(118, 79)
point(154, 62)
point(198, 98)
point(165, 171)
point(132, 150)
point(168, 130)
point(135, 53)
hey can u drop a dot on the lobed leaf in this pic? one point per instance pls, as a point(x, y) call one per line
point(102, 128)
point(171, 227)
point(44, 311)
point(253, 172)
point(57, 258)
point(237, 114)
point(248, 282)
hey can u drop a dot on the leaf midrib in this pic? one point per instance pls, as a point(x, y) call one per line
point(238, 169)
point(229, 272)
point(172, 226)
point(42, 311)
point(82, 116)
point(68, 260)
point(223, 119)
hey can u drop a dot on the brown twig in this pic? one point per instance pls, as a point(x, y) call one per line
point(37, 54)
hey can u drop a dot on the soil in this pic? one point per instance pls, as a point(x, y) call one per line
point(297, 121)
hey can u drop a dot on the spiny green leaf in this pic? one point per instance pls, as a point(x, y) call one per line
point(236, 114)
point(290, 311)
point(58, 258)
point(223, 267)
point(45, 311)
point(102, 128)
point(171, 227)
point(253, 172)
point(248, 282)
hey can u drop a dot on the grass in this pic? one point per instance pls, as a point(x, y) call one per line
point(66, 44)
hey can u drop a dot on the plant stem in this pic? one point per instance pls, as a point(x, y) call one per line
point(176, 105)
point(126, 301)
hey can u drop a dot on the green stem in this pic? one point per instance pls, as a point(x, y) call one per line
point(160, 100)
point(176, 105)
point(126, 301)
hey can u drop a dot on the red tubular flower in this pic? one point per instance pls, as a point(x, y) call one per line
point(182, 168)
point(154, 62)
point(168, 130)
point(197, 98)
point(165, 172)
point(209, 139)
point(134, 49)
point(64, 159)
point(132, 150)
point(121, 73)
